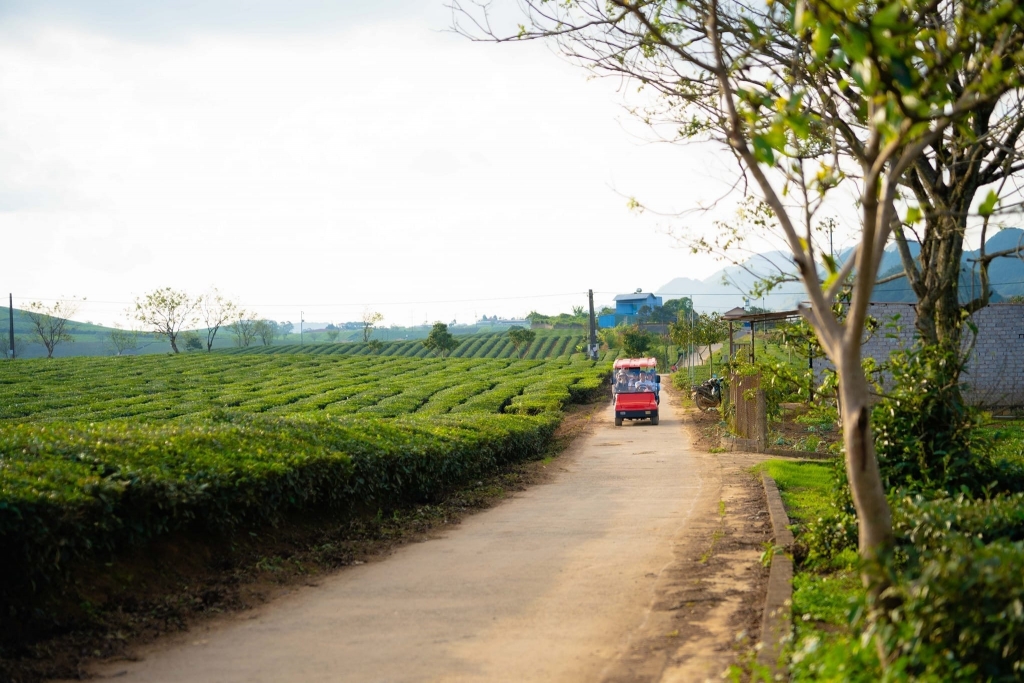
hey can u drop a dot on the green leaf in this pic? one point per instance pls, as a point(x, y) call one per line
point(800, 15)
point(901, 73)
point(830, 263)
point(800, 124)
point(856, 44)
point(776, 137)
point(763, 152)
point(988, 206)
point(822, 40)
point(913, 215)
point(888, 16)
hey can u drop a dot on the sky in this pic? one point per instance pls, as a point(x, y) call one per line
point(321, 158)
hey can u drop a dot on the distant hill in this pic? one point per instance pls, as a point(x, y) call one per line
point(89, 339)
point(1006, 275)
point(727, 287)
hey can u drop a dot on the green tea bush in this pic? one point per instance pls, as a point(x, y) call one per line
point(955, 607)
point(69, 492)
point(959, 613)
point(924, 524)
point(101, 455)
point(929, 440)
point(158, 388)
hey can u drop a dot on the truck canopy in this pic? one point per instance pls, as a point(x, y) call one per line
point(635, 375)
point(648, 364)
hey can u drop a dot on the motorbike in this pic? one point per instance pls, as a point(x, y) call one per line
point(707, 394)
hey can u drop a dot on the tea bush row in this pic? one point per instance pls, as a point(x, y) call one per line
point(70, 492)
point(221, 442)
point(956, 604)
point(154, 388)
point(548, 344)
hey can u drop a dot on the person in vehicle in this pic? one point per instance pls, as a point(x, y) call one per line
point(621, 382)
point(649, 382)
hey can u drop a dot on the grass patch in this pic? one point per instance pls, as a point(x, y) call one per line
point(715, 538)
point(825, 646)
point(805, 487)
point(1009, 440)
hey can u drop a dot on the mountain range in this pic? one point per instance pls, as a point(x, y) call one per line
point(730, 286)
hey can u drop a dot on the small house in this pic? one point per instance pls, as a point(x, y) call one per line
point(628, 306)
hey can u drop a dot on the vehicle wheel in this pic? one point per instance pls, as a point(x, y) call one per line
point(655, 419)
point(618, 422)
point(701, 403)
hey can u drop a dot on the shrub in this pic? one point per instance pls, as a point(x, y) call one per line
point(636, 341)
point(959, 613)
point(926, 438)
point(70, 492)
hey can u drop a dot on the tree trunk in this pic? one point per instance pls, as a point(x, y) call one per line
point(873, 514)
point(939, 312)
point(174, 346)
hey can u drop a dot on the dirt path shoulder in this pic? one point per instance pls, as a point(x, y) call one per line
point(631, 562)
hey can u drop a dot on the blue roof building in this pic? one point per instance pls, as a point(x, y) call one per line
point(627, 306)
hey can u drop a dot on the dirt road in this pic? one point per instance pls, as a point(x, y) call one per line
point(560, 583)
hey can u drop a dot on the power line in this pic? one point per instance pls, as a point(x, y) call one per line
point(424, 302)
point(335, 305)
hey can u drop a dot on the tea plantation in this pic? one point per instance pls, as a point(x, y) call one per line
point(102, 454)
point(548, 344)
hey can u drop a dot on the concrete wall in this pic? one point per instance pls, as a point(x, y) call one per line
point(995, 369)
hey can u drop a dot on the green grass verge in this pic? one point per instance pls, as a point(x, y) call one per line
point(825, 647)
point(804, 486)
point(1009, 439)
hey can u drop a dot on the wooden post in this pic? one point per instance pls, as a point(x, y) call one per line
point(760, 419)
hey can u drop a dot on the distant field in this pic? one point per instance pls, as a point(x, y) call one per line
point(548, 344)
point(94, 340)
point(158, 388)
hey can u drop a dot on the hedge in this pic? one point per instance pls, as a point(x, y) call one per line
point(69, 492)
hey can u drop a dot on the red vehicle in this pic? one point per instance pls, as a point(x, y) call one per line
point(636, 386)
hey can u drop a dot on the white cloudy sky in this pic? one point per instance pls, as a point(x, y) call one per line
point(322, 157)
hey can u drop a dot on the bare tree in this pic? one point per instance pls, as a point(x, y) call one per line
point(50, 323)
point(215, 310)
point(167, 312)
point(244, 329)
point(121, 340)
point(21, 345)
point(702, 331)
point(267, 331)
point(370, 320)
point(782, 85)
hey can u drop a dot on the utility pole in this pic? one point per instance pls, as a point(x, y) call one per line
point(10, 310)
point(592, 348)
point(300, 327)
